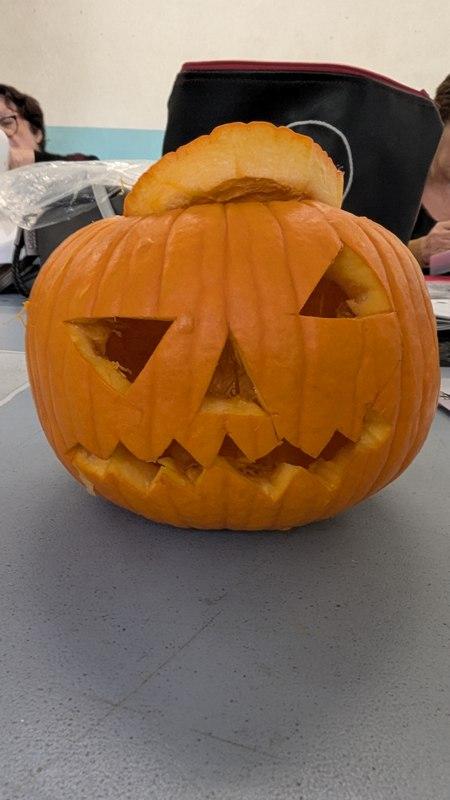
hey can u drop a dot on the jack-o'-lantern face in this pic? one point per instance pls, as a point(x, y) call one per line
point(244, 363)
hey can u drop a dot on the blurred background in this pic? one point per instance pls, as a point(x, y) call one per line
point(103, 72)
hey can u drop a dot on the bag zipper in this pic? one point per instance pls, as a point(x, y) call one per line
point(286, 66)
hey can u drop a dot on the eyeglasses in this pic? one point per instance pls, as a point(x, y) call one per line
point(9, 124)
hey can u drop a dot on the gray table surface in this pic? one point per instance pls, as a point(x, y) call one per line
point(139, 661)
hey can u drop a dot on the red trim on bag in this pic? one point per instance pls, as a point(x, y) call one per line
point(286, 66)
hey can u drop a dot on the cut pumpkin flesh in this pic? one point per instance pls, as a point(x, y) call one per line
point(238, 161)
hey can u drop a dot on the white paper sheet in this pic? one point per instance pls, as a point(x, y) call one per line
point(444, 394)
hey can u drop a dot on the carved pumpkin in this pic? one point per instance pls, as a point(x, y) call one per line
point(235, 351)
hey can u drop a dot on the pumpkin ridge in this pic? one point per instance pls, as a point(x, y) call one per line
point(414, 415)
point(411, 448)
point(35, 364)
point(115, 249)
point(404, 258)
point(87, 237)
point(164, 260)
point(275, 217)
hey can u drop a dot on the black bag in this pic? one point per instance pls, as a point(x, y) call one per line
point(381, 133)
point(33, 247)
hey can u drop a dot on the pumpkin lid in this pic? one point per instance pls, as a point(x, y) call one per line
point(238, 161)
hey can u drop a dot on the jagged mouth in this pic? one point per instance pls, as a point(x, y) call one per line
point(270, 473)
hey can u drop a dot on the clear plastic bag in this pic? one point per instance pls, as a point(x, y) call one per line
point(54, 191)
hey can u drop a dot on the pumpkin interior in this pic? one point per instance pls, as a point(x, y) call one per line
point(241, 190)
point(178, 462)
point(118, 348)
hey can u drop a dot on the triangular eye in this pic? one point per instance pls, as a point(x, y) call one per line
point(119, 344)
point(230, 377)
point(349, 288)
point(327, 300)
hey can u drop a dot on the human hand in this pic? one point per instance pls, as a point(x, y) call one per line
point(20, 156)
point(436, 241)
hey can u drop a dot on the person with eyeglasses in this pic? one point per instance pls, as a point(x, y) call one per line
point(22, 143)
point(22, 120)
point(431, 234)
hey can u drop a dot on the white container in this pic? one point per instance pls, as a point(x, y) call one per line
point(4, 151)
point(7, 228)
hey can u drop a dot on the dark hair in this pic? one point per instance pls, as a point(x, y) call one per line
point(27, 107)
point(442, 99)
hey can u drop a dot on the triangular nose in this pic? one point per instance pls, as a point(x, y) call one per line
point(230, 378)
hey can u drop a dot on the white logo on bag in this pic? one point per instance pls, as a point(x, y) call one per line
point(320, 123)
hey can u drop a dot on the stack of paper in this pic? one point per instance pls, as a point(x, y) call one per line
point(439, 290)
point(444, 394)
point(441, 310)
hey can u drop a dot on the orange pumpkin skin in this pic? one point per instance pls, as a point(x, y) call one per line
point(244, 365)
